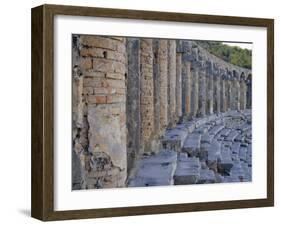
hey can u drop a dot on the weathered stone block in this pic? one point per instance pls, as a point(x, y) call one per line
point(192, 144)
point(187, 172)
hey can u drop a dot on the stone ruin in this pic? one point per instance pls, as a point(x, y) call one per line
point(150, 112)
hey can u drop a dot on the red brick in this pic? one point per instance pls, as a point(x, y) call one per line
point(116, 98)
point(94, 99)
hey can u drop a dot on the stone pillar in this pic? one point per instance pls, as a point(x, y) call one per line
point(179, 85)
point(103, 61)
point(186, 91)
point(156, 84)
point(194, 92)
point(202, 92)
point(217, 92)
point(80, 142)
point(228, 90)
point(233, 94)
point(249, 91)
point(133, 101)
point(243, 94)
point(236, 94)
point(210, 89)
point(147, 93)
point(172, 82)
point(223, 93)
point(163, 68)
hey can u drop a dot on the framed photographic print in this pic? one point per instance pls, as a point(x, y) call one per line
point(141, 112)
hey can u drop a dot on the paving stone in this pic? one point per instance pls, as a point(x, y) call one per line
point(190, 126)
point(225, 163)
point(235, 147)
point(187, 172)
point(182, 156)
point(192, 144)
point(232, 135)
point(174, 138)
point(154, 175)
point(200, 122)
point(246, 127)
point(155, 170)
point(243, 154)
point(203, 153)
point(227, 144)
point(206, 177)
point(163, 156)
point(216, 129)
point(214, 153)
point(203, 129)
point(237, 171)
point(206, 138)
point(224, 132)
point(203, 165)
point(239, 138)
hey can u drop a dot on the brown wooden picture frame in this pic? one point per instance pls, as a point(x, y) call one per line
point(43, 119)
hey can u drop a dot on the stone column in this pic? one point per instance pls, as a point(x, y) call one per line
point(179, 85)
point(163, 68)
point(233, 94)
point(194, 92)
point(202, 92)
point(187, 84)
point(228, 90)
point(133, 100)
point(243, 94)
point(103, 61)
point(236, 94)
point(210, 89)
point(156, 84)
point(223, 93)
point(218, 92)
point(172, 82)
point(249, 91)
point(147, 93)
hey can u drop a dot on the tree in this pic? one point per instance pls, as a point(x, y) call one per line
point(232, 54)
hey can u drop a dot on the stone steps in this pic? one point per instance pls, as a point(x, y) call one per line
point(215, 149)
point(156, 170)
point(192, 144)
point(187, 171)
point(174, 138)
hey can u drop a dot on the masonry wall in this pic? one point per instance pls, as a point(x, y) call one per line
point(102, 136)
point(128, 91)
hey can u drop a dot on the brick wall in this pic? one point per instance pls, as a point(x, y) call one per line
point(103, 66)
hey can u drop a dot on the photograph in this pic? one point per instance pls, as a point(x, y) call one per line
point(150, 111)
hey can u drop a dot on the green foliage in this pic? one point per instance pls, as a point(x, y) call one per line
point(232, 54)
